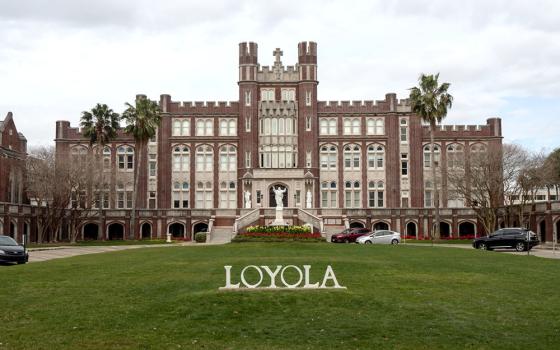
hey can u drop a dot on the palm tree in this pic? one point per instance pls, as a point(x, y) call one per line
point(431, 101)
point(100, 125)
point(142, 121)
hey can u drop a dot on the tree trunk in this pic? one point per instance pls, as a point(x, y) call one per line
point(137, 169)
point(434, 178)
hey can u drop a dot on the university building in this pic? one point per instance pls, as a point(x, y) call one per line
point(213, 165)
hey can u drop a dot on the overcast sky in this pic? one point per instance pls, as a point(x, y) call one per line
point(502, 58)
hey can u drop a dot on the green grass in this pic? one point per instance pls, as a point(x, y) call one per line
point(99, 243)
point(403, 297)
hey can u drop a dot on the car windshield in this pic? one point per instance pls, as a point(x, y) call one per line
point(7, 241)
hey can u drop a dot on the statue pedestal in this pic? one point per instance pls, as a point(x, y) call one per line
point(279, 220)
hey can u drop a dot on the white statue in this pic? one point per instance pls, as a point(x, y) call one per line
point(278, 195)
point(247, 196)
point(308, 198)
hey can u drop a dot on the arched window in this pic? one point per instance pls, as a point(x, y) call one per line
point(328, 126)
point(328, 157)
point(428, 156)
point(125, 158)
point(376, 194)
point(228, 195)
point(228, 127)
point(329, 194)
point(204, 127)
point(204, 158)
point(181, 194)
point(106, 158)
point(181, 158)
point(428, 194)
point(352, 126)
point(375, 126)
point(181, 127)
point(203, 195)
point(404, 130)
point(455, 157)
point(352, 194)
point(352, 157)
point(376, 157)
point(228, 158)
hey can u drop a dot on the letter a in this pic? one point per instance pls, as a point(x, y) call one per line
point(228, 279)
point(329, 275)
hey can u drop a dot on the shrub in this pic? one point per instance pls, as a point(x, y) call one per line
point(279, 229)
point(200, 237)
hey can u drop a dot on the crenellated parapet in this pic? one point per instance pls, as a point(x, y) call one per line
point(493, 128)
point(389, 104)
point(198, 107)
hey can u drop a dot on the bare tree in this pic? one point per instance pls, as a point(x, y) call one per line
point(514, 160)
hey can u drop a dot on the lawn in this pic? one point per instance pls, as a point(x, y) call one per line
point(99, 243)
point(398, 297)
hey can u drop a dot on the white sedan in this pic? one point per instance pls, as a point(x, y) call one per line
point(380, 237)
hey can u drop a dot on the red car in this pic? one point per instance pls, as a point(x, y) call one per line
point(349, 235)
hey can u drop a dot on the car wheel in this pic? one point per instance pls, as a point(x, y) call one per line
point(482, 246)
point(520, 246)
point(367, 242)
point(395, 242)
point(346, 240)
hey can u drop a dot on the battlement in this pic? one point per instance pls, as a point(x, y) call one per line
point(248, 53)
point(492, 128)
point(286, 70)
point(307, 52)
point(389, 104)
point(198, 107)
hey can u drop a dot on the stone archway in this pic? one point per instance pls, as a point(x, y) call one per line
point(90, 232)
point(542, 231)
point(177, 230)
point(115, 231)
point(357, 224)
point(467, 228)
point(411, 229)
point(380, 225)
point(557, 230)
point(146, 230)
point(12, 233)
point(272, 197)
point(444, 230)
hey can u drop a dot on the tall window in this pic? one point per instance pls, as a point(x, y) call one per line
point(376, 156)
point(329, 194)
point(352, 194)
point(352, 126)
point(102, 197)
point(203, 195)
point(124, 196)
point(308, 98)
point(204, 127)
point(375, 126)
point(376, 194)
point(152, 165)
point(455, 157)
point(204, 158)
point(327, 126)
point(278, 157)
point(404, 131)
point(477, 150)
point(352, 157)
point(181, 127)
point(228, 127)
point(328, 157)
point(181, 158)
point(428, 156)
point(428, 194)
point(308, 123)
point(247, 98)
point(181, 194)
point(228, 158)
point(125, 158)
point(228, 195)
point(404, 164)
point(106, 158)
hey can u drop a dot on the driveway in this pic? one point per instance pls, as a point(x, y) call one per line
point(540, 252)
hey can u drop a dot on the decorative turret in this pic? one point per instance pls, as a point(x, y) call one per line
point(307, 59)
point(248, 55)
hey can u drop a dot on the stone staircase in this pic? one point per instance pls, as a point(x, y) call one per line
point(221, 235)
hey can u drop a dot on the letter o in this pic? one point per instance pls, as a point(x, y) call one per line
point(295, 284)
point(243, 277)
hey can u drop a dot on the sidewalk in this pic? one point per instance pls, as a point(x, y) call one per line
point(540, 252)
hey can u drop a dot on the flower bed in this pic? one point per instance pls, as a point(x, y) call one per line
point(278, 234)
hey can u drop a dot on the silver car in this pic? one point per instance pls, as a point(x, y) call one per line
point(380, 237)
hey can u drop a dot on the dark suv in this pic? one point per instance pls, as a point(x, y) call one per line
point(349, 235)
point(518, 238)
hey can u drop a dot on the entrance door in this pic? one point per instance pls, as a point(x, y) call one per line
point(272, 196)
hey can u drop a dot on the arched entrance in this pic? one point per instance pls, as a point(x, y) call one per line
point(356, 224)
point(90, 232)
point(272, 196)
point(411, 229)
point(466, 228)
point(200, 227)
point(177, 230)
point(558, 231)
point(380, 225)
point(115, 231)
point(444, 230)
point(542, 230)
point(12, 232)
point(146, 230)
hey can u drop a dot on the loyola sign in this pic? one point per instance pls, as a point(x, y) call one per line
point(276, 278)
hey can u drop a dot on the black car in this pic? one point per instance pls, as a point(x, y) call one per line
point(10, 251)
point(518, 238)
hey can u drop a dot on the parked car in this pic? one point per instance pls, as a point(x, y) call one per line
point(518, 238)
point(349, 235)
point(380, 237)
point(11, 251)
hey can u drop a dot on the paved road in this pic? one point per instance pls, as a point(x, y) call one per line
point(543, 253)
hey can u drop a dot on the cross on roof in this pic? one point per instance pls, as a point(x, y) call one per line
point(277, 53)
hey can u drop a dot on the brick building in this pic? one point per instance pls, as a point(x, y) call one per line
point(348, 163)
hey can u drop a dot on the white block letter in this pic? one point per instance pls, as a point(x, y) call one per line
point(272, 274)
point(243, 277)
point(295, 284)
point(228, 278)
point(307, 285)
point(329, 275)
